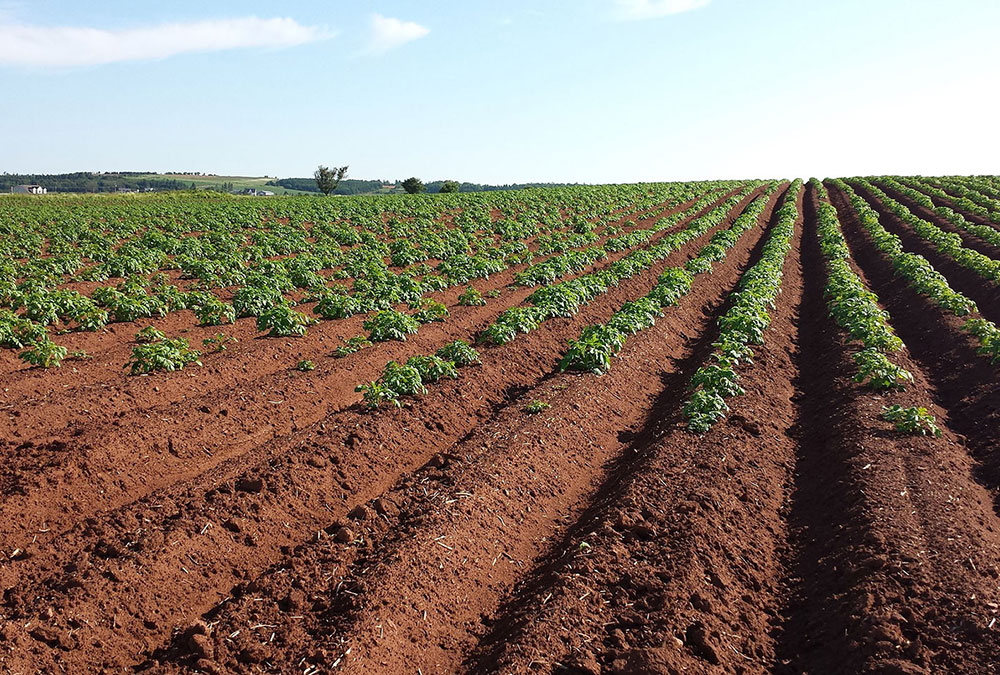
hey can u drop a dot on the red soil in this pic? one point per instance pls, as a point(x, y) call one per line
point(189, 522)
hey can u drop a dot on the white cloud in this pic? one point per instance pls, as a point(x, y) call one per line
point(389, 33)
point(28, 45)
point(651, 9)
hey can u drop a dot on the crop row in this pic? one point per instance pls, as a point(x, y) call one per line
point(33, 303)
point(947, 243)
point(855, 307)
point(922, 196)
point(564, 299)
point(922, 276)
point(569, 263)
point(743, 324)
point(970, 199)
point(597, 344)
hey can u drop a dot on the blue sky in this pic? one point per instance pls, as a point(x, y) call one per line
point(556, 90)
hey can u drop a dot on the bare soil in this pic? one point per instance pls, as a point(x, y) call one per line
point(247, 517)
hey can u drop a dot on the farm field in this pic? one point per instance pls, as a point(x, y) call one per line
point(727, 426)
point(238, 182)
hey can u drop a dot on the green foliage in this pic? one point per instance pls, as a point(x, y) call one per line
point(536, 406)
point(210, 310)
point(149, 334)
point(328, 179)
point(988, 335)
point(592, 351)
point(911, 420)
point(390, 324)
point(704, 409)
point(915, 269)
point(255, 300)
point(283, 321)
point(337, 306)
point(449, 186)
point(413, 185)
point(433, 368)
point(168, 354)
point(305, 365)
point(743, 324)
point(18, 332)
point(167, 253)
point(879, 372)
point(511, 322)
point(218, 343)
point(44, 354)
point(128, 303)
point(470, 297)
point(354, 344)
point(396, 380)
point(460, 353)
point(673, 284)
point(376, 393)
point(723, 380)
point(698, 265)
point(431, 310)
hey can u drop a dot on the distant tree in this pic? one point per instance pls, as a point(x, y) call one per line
point(413, 185)
point(449, 186)
point(328, 179)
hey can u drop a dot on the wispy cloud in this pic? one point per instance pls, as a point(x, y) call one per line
point(650, 9)
point(389, 33)
point(22, 44)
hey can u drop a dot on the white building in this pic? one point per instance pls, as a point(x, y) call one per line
point(28, 190)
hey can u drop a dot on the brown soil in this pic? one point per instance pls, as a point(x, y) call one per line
point(968, 240)
point(160, 531)
point(172, 426)
point(188, 523)
point(984, 293)
point(971, 217)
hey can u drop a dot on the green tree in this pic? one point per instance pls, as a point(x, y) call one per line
point(449, 186)
point(413, 185)
point(328, 179)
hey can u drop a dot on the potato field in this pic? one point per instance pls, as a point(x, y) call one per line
point(732, 426)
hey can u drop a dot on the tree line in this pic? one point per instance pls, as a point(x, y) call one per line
point(85, 181)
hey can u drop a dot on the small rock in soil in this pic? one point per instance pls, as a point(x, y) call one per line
point(344, 535)
point(252, 654)
point(359, 512)
point(202, 646)
point(52, 637)
point(697, 640)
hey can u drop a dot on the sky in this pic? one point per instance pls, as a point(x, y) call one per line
point(595, 91)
